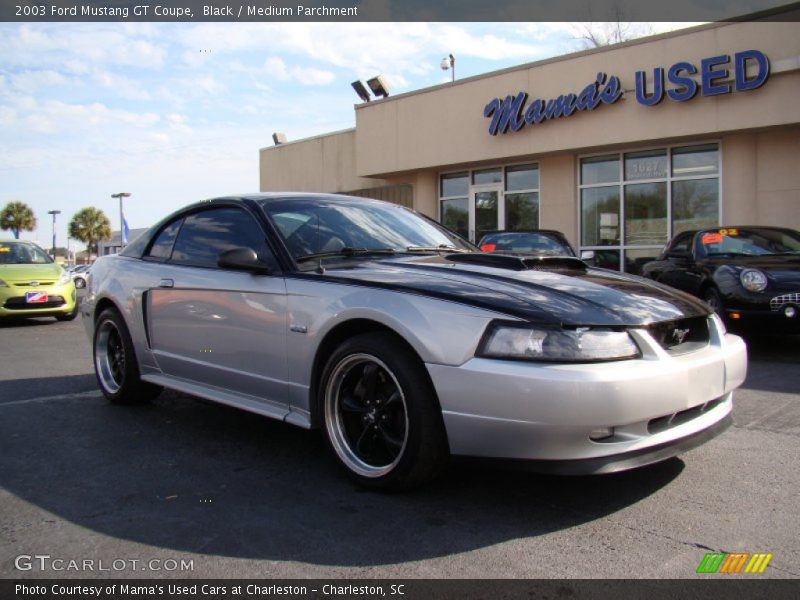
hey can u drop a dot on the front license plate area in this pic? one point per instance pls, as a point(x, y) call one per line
point(35, 297)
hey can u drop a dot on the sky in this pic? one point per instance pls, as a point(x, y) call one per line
point(176, 112)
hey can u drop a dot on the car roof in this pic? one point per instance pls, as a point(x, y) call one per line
point(276, 196)
point(514, 231)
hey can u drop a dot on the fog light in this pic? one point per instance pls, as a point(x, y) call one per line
point(601, 433)
point(790, 312)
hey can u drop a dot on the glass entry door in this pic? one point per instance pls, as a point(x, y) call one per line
point(486, 212)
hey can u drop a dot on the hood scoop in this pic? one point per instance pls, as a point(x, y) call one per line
point(518, 262)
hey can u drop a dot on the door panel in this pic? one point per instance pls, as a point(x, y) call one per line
point(221, 328)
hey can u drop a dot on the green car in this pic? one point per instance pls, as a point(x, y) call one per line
point(32, 285)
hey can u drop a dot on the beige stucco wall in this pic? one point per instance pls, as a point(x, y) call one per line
point(761, 178)
point(321, 164)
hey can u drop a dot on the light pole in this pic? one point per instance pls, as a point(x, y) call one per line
point(54, 213)
point(122, 237)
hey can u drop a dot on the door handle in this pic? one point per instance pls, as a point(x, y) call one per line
point(166, 283)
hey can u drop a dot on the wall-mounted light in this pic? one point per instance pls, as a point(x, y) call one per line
point(279, 138)
point(449, 62)
point(379, 86)
point(361, 91)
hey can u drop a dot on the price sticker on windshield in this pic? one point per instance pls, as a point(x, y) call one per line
point(712, 238)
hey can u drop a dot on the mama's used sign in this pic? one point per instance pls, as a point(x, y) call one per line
point(677, 83)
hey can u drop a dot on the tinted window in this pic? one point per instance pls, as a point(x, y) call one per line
point(162, 246)
point(205, 235)
point(682, 243)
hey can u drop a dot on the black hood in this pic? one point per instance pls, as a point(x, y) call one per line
point(557, 292)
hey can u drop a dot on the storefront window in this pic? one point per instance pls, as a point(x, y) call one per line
point(522, 211)
point(695, 160)
point(455, 215)
point(695, 204)
point(520, 178)
point(600, 216)
point(454, 184)
point(485, 176)
point(646, 165)
point(474, 202)
point(662, 192)
point(600, 169)
point(646, 213)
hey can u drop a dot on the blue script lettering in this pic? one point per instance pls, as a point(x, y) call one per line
point(511, 113)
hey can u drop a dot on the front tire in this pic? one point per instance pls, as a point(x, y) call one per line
point(80, 282)
point(381, 415)
point(115, 363)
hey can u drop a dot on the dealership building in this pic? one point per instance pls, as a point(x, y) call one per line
point(619, 147)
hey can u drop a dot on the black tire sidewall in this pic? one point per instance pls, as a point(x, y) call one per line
point(130, 377)
point(426, 439)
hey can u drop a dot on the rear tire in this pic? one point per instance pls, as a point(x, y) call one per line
point(115, 364)
point(380, 413)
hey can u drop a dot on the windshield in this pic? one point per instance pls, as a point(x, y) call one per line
point(748, 242)
point(22, 253)
point(540, 243)
point(320, 226)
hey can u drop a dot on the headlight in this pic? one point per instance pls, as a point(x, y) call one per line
point(65, 278)
point(570, 345)
point(753, 280)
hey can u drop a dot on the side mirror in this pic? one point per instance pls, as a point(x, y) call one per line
point(587, 255)
point(242, 259)
point(680, 255)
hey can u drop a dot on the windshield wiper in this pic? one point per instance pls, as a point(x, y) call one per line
point(439, 248)
point(346, 251)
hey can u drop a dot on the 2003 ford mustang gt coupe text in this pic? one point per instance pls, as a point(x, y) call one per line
point(404, 344)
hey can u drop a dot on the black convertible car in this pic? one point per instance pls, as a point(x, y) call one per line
point(747, 274)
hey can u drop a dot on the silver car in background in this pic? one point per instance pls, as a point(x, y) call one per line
point(404, 344)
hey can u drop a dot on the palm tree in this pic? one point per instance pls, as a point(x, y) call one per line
point(16, 217)
point(90, 225)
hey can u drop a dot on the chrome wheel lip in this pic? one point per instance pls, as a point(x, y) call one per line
point(103, 358)
point(334, 422)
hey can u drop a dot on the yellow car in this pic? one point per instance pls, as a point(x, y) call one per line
point(32, 285)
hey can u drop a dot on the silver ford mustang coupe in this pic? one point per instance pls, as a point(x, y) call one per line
point(406, 345)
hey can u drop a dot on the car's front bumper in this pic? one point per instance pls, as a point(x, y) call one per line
point(61, 300)
point(658, 405)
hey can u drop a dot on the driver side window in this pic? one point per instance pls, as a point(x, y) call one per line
point(206, 234)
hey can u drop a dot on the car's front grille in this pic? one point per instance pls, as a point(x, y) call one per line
point(680, 337)
point(679, 418)
point(30, 283)
point(778, 301)
point(18, 303)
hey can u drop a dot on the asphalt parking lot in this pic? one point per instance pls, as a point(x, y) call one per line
point(239, 495)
